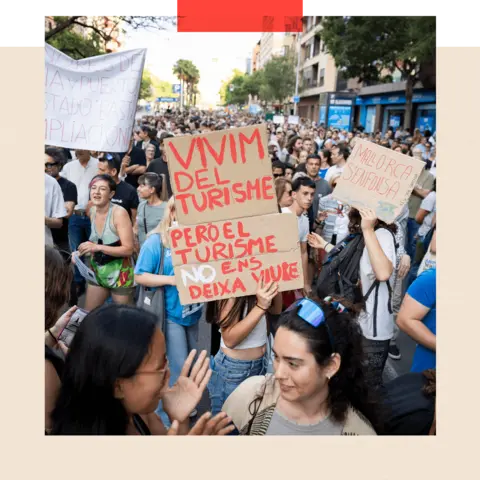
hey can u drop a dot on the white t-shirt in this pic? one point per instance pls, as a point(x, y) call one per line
point(54, 204)
point(303, 226)
point(81, 177)
point(332, 171)
point(429, 204)
point(385, 322)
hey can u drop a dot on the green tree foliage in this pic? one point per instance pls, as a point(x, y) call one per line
point(146, 87)
point(278, 79)
point(75, 45)
point(372, 48)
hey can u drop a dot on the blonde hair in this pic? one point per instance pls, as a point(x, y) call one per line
point(166, 223)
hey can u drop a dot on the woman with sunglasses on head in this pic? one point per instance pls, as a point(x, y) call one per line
point(120, 398)
point(152, 192)
point(109, 248)
point(242, 322)
point(318, 386)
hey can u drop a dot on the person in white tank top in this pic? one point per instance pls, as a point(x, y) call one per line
point(243, 327)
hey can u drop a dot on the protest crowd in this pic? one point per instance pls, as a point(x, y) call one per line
point(306, 361)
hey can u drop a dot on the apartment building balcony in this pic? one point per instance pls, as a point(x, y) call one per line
point(309, 87)
point(308, 35)
point(313, 60)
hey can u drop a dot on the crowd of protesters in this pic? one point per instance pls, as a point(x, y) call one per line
point(308, 362)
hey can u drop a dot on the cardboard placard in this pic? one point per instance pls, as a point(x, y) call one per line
point(378, 178)
point(293, 119)
point(90, 104)
point(226, 259)
point(221, 175)
point(280, 119)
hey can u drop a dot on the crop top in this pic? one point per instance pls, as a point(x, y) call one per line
point(256, 338)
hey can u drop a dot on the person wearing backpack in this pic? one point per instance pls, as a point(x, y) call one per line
point(360, 269)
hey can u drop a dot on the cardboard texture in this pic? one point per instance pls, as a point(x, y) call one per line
point(378, 178)
point(90, 104)
point(225, 259)
point(221, 175)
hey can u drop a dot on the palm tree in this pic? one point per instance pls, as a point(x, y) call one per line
point(189, 76)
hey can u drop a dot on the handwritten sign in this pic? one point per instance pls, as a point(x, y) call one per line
point(91, 103)
point(226, 259)
point(293, 119)
point(378, 178)
point(279, 119)
point(221, 175)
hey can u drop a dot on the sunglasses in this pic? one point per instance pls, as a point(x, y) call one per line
point(276, 175)
point(50, 165)
point(314, 315)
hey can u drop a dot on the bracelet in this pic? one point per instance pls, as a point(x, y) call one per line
point(52, 335)
point(261, 308)
point(325, 247)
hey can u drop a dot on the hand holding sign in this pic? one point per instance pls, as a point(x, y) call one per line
point(266, 294)
point(369, 219)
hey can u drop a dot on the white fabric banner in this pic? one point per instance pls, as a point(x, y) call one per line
point(90, 104)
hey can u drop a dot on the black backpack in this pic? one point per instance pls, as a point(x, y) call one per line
point(340, 275)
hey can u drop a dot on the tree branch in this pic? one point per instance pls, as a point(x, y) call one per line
point(103, 35)
point(59, 28)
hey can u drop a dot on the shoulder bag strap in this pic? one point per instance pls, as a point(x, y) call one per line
point(145, 217)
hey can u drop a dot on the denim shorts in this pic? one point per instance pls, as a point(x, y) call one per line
point(228, 373)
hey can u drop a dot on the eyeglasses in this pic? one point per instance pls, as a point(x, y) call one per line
point(163, 371)
point(50, 165)
point(311, 313)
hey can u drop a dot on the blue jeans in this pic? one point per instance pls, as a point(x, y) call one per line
point(228, 373)
point(180, 342)
point(411, 241)
point(79, 229)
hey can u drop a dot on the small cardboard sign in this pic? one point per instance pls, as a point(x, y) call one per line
point(226, 259)
point(293, 119)
point(378, 178)
point(280, 119)
point(221, 175)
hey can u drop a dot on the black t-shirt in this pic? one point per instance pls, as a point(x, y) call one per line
point(137, 157)
point(69, 190)
point(407, 410)
point(160, 167)
point(126, 196)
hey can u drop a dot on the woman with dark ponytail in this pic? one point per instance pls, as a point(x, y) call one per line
point(318, 387)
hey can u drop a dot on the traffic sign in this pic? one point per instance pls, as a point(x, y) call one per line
point(296, 99)
point(176, 88)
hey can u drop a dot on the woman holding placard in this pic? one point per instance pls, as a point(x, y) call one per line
point(181, 326)
point(243, 346)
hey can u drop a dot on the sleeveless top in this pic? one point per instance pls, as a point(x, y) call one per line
point(110, 272)
point(109, 234)
point(256, 338)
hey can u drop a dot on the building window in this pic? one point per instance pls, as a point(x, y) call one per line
point(322, 78)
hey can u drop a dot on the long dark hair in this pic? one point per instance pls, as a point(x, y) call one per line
point(110, 344)
point(355, 223)
point(58, 277)
point(214, 310)
point(348, 387)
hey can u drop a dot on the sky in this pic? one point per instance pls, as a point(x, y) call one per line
point(216, 55)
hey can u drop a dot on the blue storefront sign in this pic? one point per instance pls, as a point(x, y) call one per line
point(397, 99)
point(167, 99)
point(395, 121)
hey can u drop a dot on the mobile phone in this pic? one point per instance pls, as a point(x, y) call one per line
point(67, 334)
